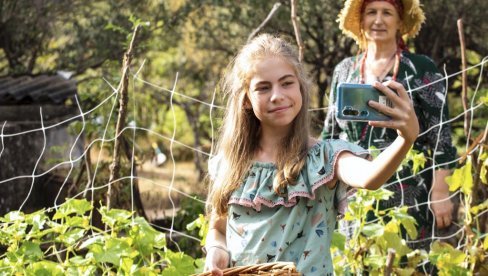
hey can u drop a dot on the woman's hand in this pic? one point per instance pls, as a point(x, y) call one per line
point(217, 259)
point(402, 114)
point(441, 205)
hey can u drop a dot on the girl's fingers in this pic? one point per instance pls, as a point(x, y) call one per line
point(384, 124)
point(391, 112)
point(398, 87)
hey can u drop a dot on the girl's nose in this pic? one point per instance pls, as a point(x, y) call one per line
point(277, 94)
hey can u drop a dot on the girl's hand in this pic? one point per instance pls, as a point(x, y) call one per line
point(402, 114)
point(217, 259)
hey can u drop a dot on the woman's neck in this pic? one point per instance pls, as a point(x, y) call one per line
point(379, 51)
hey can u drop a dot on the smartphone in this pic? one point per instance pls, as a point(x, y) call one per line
point(352, 102)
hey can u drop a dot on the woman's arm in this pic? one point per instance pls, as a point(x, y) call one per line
point(441, 204)
point(361, 173)
point(218, 256)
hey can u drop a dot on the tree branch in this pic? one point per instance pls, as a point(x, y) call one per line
point(268, 18)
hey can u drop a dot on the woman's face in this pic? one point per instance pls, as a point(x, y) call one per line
point(380, 22)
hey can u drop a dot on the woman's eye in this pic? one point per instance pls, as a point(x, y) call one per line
point(287, 83)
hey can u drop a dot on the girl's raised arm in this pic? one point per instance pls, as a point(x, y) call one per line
point(361, 173)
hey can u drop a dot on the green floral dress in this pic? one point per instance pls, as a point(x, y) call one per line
point(263, 227)
point(420, 77)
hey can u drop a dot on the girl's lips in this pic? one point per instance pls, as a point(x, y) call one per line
point(278, 109)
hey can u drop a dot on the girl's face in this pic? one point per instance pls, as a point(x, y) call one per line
point(274, 93)
point(380, 22)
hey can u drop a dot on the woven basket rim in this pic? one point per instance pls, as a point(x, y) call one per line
point(275, 268)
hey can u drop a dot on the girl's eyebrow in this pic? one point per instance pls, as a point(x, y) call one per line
point(280, 79)
point(286, 76)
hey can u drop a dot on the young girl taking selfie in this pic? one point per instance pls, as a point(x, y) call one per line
point(273, 186)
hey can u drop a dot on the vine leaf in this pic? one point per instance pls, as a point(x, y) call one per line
point(462, 178)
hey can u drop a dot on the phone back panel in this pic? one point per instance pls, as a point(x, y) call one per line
point(352, 102)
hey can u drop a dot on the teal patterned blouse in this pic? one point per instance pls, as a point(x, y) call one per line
point(263, 227)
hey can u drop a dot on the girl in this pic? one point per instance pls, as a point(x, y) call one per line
point(273, 186)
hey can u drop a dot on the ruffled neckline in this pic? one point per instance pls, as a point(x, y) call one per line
point(257, 189)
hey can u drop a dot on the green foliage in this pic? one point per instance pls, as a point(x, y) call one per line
point(448, 260)
point(462, 178)
point(69, 244)
point(368, 249)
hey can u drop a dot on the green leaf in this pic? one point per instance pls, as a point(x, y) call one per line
point(381, 194)
point(376, 261)
point(37, 220)
point(393, 240)
point(179, 264)
point(45, 268)
point(374, 151)
point(373, 230)
point(145, 237)
point(31, 250)
point(71, 237)
point(462, 178)
point(408, 222)
point(201, 223)
point(112, 251)
point(338, 240)
point(115, 217)
point(478, 208)
point(99, 239)
point(446, 256)
point(404, 271)
point(418, 160)
point(79, 261)
point(484, 168)
point(14, 216)
point(73, 206)
point(484, 100)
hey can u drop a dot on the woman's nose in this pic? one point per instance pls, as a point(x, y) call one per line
point(378, 19)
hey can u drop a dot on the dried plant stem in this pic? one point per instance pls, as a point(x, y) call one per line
point(464, 76)
point(296, 27)
point(123, 100)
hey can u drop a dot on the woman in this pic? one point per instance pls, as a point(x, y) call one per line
point(378, 26)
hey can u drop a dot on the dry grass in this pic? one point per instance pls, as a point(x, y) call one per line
point(161, 193)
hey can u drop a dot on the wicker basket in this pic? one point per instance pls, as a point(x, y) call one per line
point(268, 269)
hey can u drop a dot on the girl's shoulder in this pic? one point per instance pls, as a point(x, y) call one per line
point(330, 148)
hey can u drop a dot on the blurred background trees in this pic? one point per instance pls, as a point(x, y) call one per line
point(196, 39)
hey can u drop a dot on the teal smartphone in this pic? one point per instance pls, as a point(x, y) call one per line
point(352, 102)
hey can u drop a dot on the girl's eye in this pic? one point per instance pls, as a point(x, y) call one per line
point(288, 83)
point(261, 88)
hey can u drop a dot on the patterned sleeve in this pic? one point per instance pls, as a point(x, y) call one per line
point(432, 110)
point(332, 128)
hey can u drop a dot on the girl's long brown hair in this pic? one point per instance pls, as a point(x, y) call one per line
point(240, 131)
